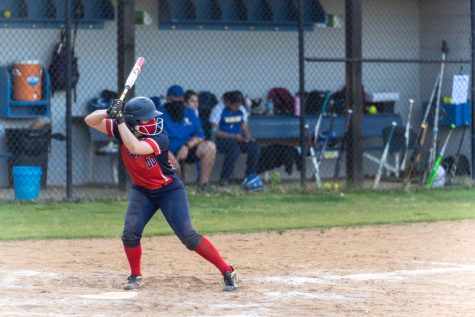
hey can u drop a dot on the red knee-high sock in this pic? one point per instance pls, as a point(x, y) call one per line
point(134, 255)
point(209, 252)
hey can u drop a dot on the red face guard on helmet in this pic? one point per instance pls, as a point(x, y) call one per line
point(153, 126)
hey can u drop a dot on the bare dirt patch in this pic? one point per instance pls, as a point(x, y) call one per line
point(404, 270)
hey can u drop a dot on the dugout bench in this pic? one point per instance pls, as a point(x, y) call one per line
point(268, 128)
point(286, 130)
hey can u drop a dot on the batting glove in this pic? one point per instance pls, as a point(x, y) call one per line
point(115, 111)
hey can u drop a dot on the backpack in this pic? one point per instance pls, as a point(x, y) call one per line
point(283, 100)
point(57, 67)
point(258, 106)
point(314, 101)
point(277, 155)
point(207, 100)
point(463, 164)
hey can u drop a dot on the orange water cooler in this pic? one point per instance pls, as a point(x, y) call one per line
point(27, 81)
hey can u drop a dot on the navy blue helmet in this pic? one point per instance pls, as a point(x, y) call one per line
point(143, 109)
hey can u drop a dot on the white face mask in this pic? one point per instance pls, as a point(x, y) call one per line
point(152, 127)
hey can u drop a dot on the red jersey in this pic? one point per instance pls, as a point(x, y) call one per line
point(151, 171)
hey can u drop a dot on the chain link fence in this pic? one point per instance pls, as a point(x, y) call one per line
point(225, 52)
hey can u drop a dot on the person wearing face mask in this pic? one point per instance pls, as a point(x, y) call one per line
point(187, 139)
point(138, 128)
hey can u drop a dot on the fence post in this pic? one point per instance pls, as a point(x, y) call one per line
point(69, 140)
point(472, 90)
point(303, 146)
point(354, 93)
point(125, 59)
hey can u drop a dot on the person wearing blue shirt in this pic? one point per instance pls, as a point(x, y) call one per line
point(187, 139)
point(192, 101)
point(229, 119)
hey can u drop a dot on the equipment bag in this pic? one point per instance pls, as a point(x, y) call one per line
point(57, 67)
point(283, 100)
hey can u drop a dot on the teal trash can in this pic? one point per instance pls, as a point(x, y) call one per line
point(27, 182)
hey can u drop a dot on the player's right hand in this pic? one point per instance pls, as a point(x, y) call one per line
point(115, 110)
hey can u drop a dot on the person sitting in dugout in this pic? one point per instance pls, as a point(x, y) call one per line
point(187, 139)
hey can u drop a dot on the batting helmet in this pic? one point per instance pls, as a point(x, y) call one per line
point(143, 109)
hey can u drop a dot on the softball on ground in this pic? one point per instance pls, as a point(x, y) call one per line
point(327, 185)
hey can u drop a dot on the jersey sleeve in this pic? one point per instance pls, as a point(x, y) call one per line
point(215, 115)
point(113, 129)
point(154, 144)
point(245, 115)
point(159, 143)
point(198, 132)
point(110, 128)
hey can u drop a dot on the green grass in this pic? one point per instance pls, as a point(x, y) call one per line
point(240, 213)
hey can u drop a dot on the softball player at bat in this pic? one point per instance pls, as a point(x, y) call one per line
point(144, 150)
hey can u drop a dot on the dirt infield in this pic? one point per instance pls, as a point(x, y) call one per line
point(403, 270)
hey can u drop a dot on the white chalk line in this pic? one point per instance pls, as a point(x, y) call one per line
point(296, 280)
point(402, 274)
point(328, 278)
point(250, 310)
point(13, 279)
point(370, 276)
point(306, 294)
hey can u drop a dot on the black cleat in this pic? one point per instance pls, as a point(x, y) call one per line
point(230, 281)
point(133, 282)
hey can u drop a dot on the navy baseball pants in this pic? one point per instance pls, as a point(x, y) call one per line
point(173, 203)
point(231, 149)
